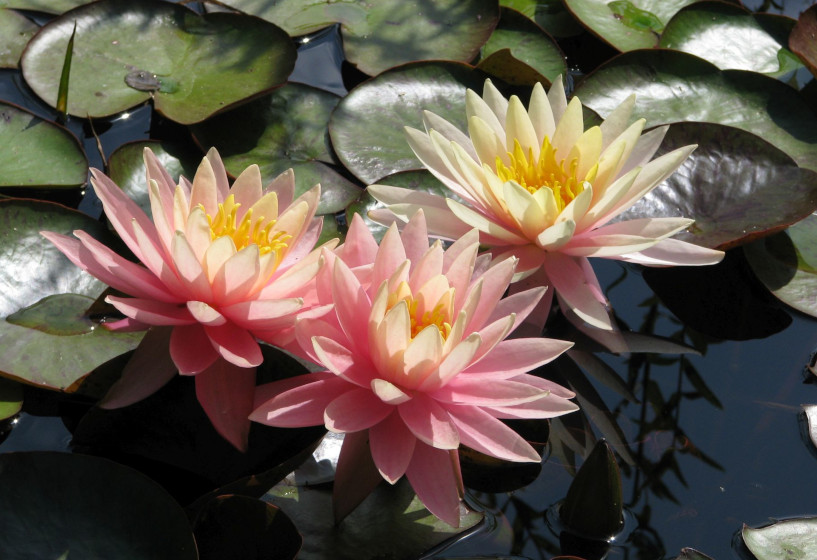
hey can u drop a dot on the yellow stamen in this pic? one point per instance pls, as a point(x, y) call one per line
point(248, 231)
point(440, 315)
point(546, 171)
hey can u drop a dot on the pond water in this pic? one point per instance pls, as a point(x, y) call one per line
point(710, 464)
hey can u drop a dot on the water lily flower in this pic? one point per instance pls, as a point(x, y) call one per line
point(220, 268)
point(416, 363)
point(541, 188)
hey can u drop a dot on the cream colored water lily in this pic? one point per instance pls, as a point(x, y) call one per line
point(541, 188)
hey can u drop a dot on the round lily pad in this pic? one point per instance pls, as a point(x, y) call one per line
point(16, 30)
point(626, 24)
point(59, 505)
point(47, 6)
point(521, 53)
point(286, 129)
point(11, 398)
point(26, 141)
point(380, 35)
point(801, 40)
point(126, 53)
point(790, 539)
point(736, 187)
point(551, 15)
point(367, 125)
point(671, 86)
point(730, 37)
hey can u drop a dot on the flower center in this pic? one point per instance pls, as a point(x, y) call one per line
point(546, 171)
point(421, 313)
point(246, 232)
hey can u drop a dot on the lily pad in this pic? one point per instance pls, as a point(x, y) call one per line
point(367, 126)
point(26, 141)
point(286, 129)
point(551, 15)
point(390, 523)
point(787, 264)
point(16, 30)
point(625, 24)
point(801, 40)
point(46, 6)
point(11, 398)
point(692, 554)
point(521, 53)
point(380, 35)
point(730, 37)
point(810, 414)
point(790, 539)
point(670, 86)
point(46, 338)
point(59, 505)
point(126, 53)
point(735, 185)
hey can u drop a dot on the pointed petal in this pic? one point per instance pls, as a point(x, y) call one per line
point(392, 446)
point(573, 286)
point(225, 392)
point(518, 355)
point(429, 422)
point(151, 312)
point(355, 476)
point(355, 410)
point(191, 350)
point(235, 345)
point(435, 476)
point(484, 433)
point(302, 405)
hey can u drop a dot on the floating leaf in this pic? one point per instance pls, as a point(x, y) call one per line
point(624, 24)
point(286, 129)
point(787, 264)
point(520, 52)
point(692, 554)
point(801, 40)
point(810, 413)
point(59, 505)
point(551, 15)
point(27, 141)
point(45, 336)
point(790, 539)
point(190, 65)
point(16, 30)
point(367, 125)
point(386, 33)
point(730, 37)
point(736, 186)
point(671, 86)
point(241, 528)
point(47, 6)
point(11, 399)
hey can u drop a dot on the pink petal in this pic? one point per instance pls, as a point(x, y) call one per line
point(545, 385)
point(237, 276)
point(355, 477)
point(235, 344)
point(548, 407)
point(573, 286)
point(344, 363)
point(435, 477)
point(301, 406)
point(518, 355)
point(359, 248)
point(284, 187)
point(222, 185)
point(429, 422)
point(268, 391)
point(148, 370)
point(152, 312)
point(154, 170)
point(673, 252)
point(390, 256)
point(497, 392)
point(191, 350)
point(415, 237)
point(205, 314)
point(225, 392)
point(484, 433)
point(355, 410)
point(392, 445)
point(352, 306)
point(205, 190)
point(263, 314)
point(494, 283)
point(126, 325)
point(190, 271)
point(304, 245)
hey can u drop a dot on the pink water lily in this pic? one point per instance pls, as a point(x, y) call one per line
point(220, 267)
point(417, 363)
point(541, 188)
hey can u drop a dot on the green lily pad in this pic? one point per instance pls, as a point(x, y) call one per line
point(16, 30)
point(625, 24)
point(390, 523)
point(240, 528)
point(521, 53)
point(367, 125)
point(126, 53)
point(11, 398)
point(26, 141)
point(47, 6)
point(46, 338)
point(551, 15)
point(59, 505)
point(692, 554)
point(670, 86)
point(790, 539)
point(735, 185)
point(801, 40)
point(730, 37)
point(380, 35)
point(286, 129)
point(787, 264)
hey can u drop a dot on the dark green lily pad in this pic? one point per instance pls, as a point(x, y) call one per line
point(790, 539)
point(670, 86)
point(787, 264)
point(692, 554)
point(11, 398)
point(286, 129)
point(521, 53)
point(45, 336)
point(16, 30)
point(26, 141)
point(390, 523)
point(241, 528)
point(735, 185)
point(367, 125)
point(380, 35)
point(626, 24)
point(47, 6)
point(59, 505)
point(126, 53)
point(729, 37)
point(551, 15)
point(801, 40)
